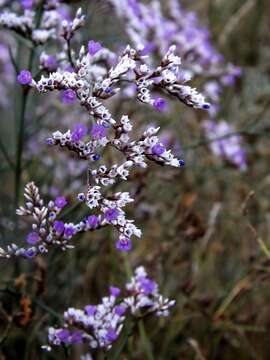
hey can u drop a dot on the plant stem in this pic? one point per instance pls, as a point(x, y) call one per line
point(145, 341)
point(19, 150)
point(6, 155)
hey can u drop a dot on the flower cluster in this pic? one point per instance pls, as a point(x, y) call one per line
point(100, 325)
point(149, 28)
point(47, 228)
point(226, 143)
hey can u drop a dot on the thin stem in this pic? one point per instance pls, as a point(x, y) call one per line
point(146, 343)
point(19, 150)
point(69, 53)
point(6, 155)
point(21, 120)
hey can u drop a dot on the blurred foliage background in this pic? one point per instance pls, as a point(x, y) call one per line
point(205, 229)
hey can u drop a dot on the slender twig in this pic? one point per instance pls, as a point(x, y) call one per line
point(6, 155)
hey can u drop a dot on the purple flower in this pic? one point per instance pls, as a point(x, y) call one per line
point(94, 47)
point(111, 335)
point(93, 221)
point(24, 77)
point(147, 286)
point(69, 231)
point(98, 131)
point(59, 226)
point(27, 4)
point(158, 149)
point(90, 310)
point(181, 163)
point(96, 157)
point(30, 253)
point(206, 106)
point(119, 310)
point(79, 131)
point(51, 63)
point(123, 244)
point(68, 96)
point(69, 69)
point(114, 291)
point(60, 202)
point(160, 104)
point(111, 214)
point(76, 337)
point(33, 238)
point(63, 335)
point(148, 48)
point(135, 7)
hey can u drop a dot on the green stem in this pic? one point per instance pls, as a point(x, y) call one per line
point(19, 150)
point(6, 155)
point(145, 341)
point(21, 120)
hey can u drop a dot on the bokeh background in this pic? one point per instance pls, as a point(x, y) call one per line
point(205, 228)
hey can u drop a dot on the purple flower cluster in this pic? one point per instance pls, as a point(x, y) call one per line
point(226, 143)
point(99, 326)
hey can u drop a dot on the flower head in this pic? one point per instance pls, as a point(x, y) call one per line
point(69, 231)
point(158, 149)
point(60, 202)
point(33, 238)
point(90, 310)
point(98, 131)
point(114, 291)
point(123, 244)
point(79, 131)
point(27, 4)
point(94, 47)
point(24, 77)
point(160, 104)
point(119, 310)
point(111, 214)
point(93, 221)
point(111, 335)
point(147, 286)
point(68, 96)
point(59, 226)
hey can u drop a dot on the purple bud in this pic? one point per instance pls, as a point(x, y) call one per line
point(90, 310)
point(206, 106)
point(181, 163)
point(119, 310)
point(148, 48)
point(68, 96)
point(79, 131)
point(27, 4)
point(30, 253)
point(93, 221)
point(147, 286)
point(33, 238)
point(94, 47)
point(158, 149)
point(51, 63)
point(111, 214)
point(160, 104)
point(123, 244)
point(69, 231)
point(96, 157)
point(114, 291)
point(60, 202)
point(111, 335)
point(59, 227)
point(24, 77)
point(49, 141)
point(98, 131)
point(76, 337)
point(63, 335)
